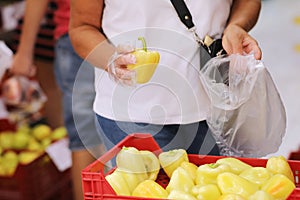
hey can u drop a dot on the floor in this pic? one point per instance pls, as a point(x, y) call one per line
point(278, 32)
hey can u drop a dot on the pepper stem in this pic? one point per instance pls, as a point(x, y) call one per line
point(214, 165)
point(142, 39)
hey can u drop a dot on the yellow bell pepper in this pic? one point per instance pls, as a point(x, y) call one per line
point(232, 197)
point(261, 195)
point(150, 189)
point(230, 183)
point(190, 168)
point(146, 63)
point(170, 160)
point(279, 186)
point(151, 163)
point(208, 173)
point(279, 165)
point(236, 165)
point(204, 192)
point(118, 183)
point(142, 163)
point(257, 175)
point(130, 160)
point(180, 195)
point(180, 180)
point(132, 179)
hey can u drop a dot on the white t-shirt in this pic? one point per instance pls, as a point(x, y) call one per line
point(174, 95)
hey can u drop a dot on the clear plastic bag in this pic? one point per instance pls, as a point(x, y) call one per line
point(24, 97)
point(247, 116)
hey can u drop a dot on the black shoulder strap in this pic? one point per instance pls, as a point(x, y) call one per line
point(183, 13)
point(209, 50)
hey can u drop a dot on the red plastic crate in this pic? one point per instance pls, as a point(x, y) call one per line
point(6, 125)
point(95, 187)
point(38, 180)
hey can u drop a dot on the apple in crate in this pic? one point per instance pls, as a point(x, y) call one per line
point(41, 131)
point(59, 133)
point(6, 140)
point(26, 157)
point(9, 162)
point(34, 145)
point(20, 141)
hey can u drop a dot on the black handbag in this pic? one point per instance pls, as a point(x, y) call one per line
point(209, 48)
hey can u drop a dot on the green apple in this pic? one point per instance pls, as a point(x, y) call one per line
point(46, 142)
point(10, 155)
point(41, 131)
point(59, 133)
point(2, 170)
point(20, 141)
point(6, 140)
point(10, 167)
point(10, 162)
point(26, 157)
point(34, 145)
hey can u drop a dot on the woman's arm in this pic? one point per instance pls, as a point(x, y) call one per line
point(244, 13)
point(243, 17)
point(84, 31)
point(23, 58)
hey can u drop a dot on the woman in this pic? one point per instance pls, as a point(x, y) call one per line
point(172, 106)
point(79, 119)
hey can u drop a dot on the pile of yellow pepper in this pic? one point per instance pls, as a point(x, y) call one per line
point(227, 179)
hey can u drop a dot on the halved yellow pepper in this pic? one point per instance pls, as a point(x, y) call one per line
point(180, 195)
point(151, 163)
point(236, 165)
point(204, 192)
point(132, 179)
point(150, 189)
point(180, 180)
point(279, 186)
point(261, 195)
point(190, 168)
point(230, 183)
point(279, 165)
point(232, 197)
point(142, 163)
point(170, 160)
point(129, 160)
point(257, 175)
point(208, 173)
point(146, 63)
point(118, 183)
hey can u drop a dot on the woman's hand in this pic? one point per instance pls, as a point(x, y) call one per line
point(243, 16)
point(238, 41)
point(117, 66)
point(23, 65)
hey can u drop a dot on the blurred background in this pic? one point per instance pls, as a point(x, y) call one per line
point(278, 33)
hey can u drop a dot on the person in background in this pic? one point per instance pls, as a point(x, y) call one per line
point(83, 139)
point(172, 106)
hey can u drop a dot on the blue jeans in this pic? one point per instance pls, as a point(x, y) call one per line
point(195, 138)
point(76, 81)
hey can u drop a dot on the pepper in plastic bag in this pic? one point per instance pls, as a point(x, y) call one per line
point(246, 116)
